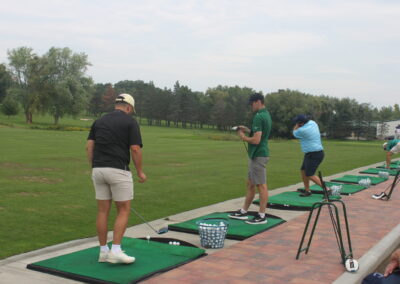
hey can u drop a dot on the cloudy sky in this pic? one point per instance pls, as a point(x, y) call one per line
point(341, 48)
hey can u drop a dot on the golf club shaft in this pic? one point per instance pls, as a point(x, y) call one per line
point(134, 211)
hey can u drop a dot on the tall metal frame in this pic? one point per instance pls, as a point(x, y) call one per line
point(334, 216)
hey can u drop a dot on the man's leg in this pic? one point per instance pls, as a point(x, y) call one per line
point(251, 192)
point(316, 180)
point(121, 222)
point(103, 210)
point(306, 180)
point(263, 192)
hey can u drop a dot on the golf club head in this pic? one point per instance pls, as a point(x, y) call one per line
point(162, 231)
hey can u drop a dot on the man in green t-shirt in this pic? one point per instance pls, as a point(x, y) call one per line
point(391, 147)
point(258, 153)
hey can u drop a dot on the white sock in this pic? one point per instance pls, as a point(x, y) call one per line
point(104, 248)
point(262, 215)
point(115, 248)
point(243, 211)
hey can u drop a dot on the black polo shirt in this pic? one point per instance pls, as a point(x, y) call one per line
point(113, 134)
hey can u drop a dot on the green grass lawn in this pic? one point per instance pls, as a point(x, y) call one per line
point(46, 195)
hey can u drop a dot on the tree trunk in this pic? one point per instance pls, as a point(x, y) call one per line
point(28, 117)
point(56, 119)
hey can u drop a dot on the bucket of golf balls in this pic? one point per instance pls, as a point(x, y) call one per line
point(366, 182)
point(383, 174)
point(212, 232)
point(336, 189)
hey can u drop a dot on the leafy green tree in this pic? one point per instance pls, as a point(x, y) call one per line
point(96, 99)
point(67, 86)
point(9, 106)
point(108, 98)
point(23, 66)
point(5, 81)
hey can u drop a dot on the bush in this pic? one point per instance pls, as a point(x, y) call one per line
point(9, 107)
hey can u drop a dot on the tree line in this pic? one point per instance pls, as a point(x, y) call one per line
point(56, 83)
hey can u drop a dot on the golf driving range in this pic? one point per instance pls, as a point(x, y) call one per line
point(188, 182)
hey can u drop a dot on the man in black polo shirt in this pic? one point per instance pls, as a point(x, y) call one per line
point(113, 139)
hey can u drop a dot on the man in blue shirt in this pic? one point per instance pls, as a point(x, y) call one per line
point(307, 131)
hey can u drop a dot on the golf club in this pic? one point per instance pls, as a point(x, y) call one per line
point(161, 231)
point(237, 128)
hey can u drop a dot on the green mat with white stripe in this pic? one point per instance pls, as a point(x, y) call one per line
point(347, 189)
point(237, 229)
point(356, 179)
point(151, 257)
point(292, 200)
point(376, 171)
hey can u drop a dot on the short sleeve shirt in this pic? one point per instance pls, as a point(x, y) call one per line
point(261, 122)
point(113, 134)
point(310, 137)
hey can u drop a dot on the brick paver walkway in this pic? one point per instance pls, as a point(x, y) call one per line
point(269, 257)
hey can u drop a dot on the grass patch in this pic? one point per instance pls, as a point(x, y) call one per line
point(47, 196)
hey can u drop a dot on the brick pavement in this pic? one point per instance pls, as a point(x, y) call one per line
point(269, 257)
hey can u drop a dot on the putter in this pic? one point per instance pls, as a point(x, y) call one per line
point(161, 231)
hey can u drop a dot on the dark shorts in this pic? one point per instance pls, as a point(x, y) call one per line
point(311, 162)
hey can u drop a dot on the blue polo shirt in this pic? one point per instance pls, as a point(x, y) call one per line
point(309, 136)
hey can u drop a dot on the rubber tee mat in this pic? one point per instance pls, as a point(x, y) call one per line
point(291, 200)
point(151, 257)
point(393, 165)
point(356, 179)
point(237, 229)
point(376, 171)
point(346, 189)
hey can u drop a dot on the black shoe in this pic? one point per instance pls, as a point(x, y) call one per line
point(305, 194)
point(301, 190)
point(239, 215)
point(257, 220)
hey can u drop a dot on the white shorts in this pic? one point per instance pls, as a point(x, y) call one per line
point(396, 148)
point(111, 183)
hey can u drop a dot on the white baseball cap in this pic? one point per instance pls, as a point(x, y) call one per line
point(125, 98)
point(384, 146)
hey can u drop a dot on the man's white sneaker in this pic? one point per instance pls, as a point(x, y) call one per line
point(119, 257)
point(103, 256)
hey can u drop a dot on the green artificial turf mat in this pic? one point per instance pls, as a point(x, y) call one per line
point(376, 171)
point(356, 179)
point(293, 200)
point(151, 257)
point(237, 229)
point(393, 165)
point(347, 189)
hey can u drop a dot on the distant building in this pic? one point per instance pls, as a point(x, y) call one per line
point(386, 130)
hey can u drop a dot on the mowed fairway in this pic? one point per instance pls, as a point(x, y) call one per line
point(46, 195)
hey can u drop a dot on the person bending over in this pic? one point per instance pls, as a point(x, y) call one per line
point(392, 147)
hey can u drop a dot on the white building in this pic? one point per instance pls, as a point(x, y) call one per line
point(387, 129)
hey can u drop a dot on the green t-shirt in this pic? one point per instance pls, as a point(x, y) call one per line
point(261, 122)
point(392, 143)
